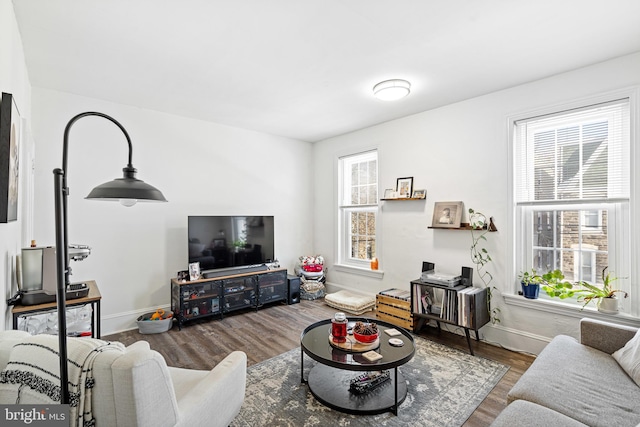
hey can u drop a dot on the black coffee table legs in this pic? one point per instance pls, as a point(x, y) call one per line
point(330, 386)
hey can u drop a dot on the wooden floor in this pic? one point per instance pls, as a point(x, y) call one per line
point(276, 329)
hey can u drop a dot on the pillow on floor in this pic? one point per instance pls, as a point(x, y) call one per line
point(350, 302)
point(628, 357)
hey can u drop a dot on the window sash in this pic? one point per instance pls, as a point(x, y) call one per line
point(564, 156)
point(365, 243)
point(358, 196)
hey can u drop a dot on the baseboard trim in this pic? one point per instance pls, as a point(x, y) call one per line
point(125, 321)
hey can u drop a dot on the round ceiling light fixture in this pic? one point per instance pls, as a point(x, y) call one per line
point(392, 90)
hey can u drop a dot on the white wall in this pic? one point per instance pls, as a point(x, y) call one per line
point(14, 80)
point(458, 152)
point(202, 168)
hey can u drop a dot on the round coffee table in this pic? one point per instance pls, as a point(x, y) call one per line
point(329, 383)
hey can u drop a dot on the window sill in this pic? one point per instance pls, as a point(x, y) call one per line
point(569, 310)
point(376, 274)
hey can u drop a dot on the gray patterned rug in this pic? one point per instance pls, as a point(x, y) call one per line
point(445, 387)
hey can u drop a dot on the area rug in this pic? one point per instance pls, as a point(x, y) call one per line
point(445, 387)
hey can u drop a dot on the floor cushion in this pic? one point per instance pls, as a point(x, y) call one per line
point(351, 302)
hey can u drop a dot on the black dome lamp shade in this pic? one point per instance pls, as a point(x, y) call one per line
point(128, 190)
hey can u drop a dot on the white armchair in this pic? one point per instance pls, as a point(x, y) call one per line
point(137, 388)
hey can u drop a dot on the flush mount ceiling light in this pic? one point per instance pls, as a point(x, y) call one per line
point(392, 90)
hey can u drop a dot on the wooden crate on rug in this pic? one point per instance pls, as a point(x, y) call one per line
point(394, 306)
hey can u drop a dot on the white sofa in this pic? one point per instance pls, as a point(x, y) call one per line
point(137, 388)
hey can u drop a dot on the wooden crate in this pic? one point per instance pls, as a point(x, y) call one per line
point(394, 310)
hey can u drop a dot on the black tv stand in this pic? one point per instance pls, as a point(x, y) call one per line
point(242, 289)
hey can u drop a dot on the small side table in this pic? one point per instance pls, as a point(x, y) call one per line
point(92, 298)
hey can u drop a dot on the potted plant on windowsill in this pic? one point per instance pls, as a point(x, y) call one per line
point(605, 297)
point(530, 282)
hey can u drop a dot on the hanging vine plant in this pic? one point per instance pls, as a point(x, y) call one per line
point(481, 257)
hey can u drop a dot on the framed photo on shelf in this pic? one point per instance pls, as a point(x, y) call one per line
point(183, 276)
point(447, 214)
point(194, 271)
point(404, 187)
point(419, 194)
point(389, 193)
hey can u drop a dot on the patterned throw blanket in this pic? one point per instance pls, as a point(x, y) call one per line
point(32, 375)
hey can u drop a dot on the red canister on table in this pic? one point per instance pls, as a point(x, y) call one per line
point(339, 327)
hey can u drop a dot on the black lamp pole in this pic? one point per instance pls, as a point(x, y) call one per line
point(125, 189)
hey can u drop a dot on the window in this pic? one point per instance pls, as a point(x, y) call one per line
point(572, 191)
point(592, 221)
point(358, 208)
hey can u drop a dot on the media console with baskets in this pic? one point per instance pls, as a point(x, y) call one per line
point(202, 298)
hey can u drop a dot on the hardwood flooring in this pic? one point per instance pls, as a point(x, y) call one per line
point(276, 329)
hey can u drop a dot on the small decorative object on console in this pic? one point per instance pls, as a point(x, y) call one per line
point(366, 382)
point(194, 271)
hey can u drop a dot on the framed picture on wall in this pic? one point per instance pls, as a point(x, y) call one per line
point(404, 187)
point(9, 158)
point(447, 214)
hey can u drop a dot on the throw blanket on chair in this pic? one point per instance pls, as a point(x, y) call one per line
point(32, 375)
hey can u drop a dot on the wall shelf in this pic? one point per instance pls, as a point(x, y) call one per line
point(465, 226)
point(404, 199)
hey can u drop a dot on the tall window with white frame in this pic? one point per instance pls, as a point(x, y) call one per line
point(358, 208)
point(572, 191)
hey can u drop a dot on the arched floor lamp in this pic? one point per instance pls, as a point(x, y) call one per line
point(128, 190)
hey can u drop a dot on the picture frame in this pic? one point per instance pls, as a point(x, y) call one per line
point(404, 187)
point(447, 214)
point(419, 194)
point(183, 276)
point(9, 158)
point(194, 271)
point(219, 243)
point(389, 193)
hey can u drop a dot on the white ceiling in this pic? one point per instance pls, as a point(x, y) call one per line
point(305, 69)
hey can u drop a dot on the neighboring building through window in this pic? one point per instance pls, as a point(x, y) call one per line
point(358, 208)
point(572, 189)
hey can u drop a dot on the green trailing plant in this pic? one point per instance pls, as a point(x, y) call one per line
point(480, 257)
point(556, 286)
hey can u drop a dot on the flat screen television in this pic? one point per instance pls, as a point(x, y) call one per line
point(230, 242)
